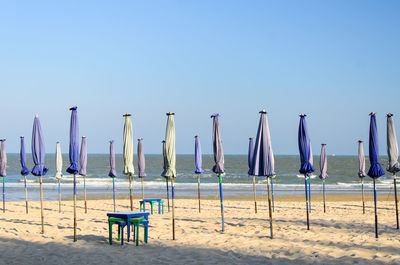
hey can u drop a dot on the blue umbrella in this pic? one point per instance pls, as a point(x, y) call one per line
point(218, 168)
point(263, 160)
point(38, 155)
point(113, 172)
point(304, 150)
point(250, 156)
point(3, 171)
point(74, 154)
point(199, 164)
point(24, 168)
point(375, 171)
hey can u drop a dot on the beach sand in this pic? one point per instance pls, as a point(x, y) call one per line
point(342, 235)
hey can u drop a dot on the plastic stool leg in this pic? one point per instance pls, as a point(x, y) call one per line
point(119, 232)
point(134, 232)
point(110, 232)
point(122, 236)
point(137, 233)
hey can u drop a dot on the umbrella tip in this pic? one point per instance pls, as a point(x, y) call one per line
point(2, 140)
point(140, 139)
point(111, 141)
point(323, 144)
point(360, 141)
point(163, 141)
point(303, 115)
point(21, 136)
point(196, 136)
point(170, 113)
point(250, 138)
point(263, 111)
point(73, 108)
point(389, 114)
point(36, 115)
point(83, 136)
point(372, 113)
point(126, 115)
point(215, 115)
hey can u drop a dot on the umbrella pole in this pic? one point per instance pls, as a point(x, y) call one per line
point(222, 202)
point(173, 208)
point(272, 193)
point(362, 194)
point(323, 188)
point(59, 195)
point(305, 185)
point(141, 179)
point(198, 190)
point(84, 192)
point(130, 192)
point(4, 195)
point(270, 210)
point(26, 195)
point(114, 192)
point(396, 201)
point(166, 181)
point(309, 192)
point(41, 203)
point(255, 196)
point(74, 208)
point(376, 214)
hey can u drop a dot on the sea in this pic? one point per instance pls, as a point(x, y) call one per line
point(342, 171)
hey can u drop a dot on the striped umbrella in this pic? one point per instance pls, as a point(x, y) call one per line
point(199, 164)
point(375, 171)
point(82, 169)
point(38, 155)
point(24, 169)
point(113, 172)
point(218, 168)
point(74, 154)
point(141, 163)
point(306, 167)
point(393, 155)
point(59, 172)
point(129, 169)
point(164, 170)
point(323, 165)
point(250, 156)
point(170, 161)
point(3, 171)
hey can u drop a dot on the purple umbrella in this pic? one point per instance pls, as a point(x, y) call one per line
point(250, 156)
point(304, 150)
point(263, 160)
point(164, 170)
point(113, 172)
point(199, 164)
point(3, 172)
point(24, 168)
point(74, 154)
point(83, 164)
point(361, 170)
point(38, 155)
point(323, 165)
point(218, 168)
point(141, 163)
point(375, 170)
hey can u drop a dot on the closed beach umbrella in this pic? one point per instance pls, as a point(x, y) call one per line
point(375, 171)
point(113, 172)
point(393, 155)
point(199, 164)
point(38, 155)
point(306, 167)
point(74, 154)
point(218, 168)
point(361, 170)
point(323, 165)
point(129, 169)
point(164, 170)
point(24, 169)
point(3, 170)
point(250, 155)
point(170, 161)
point(82, 169)
point(141, 163)
point(59, 172)
point(263, 161)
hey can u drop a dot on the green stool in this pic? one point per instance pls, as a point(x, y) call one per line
point(137, 221)
point(160, 203)
point(121, 224)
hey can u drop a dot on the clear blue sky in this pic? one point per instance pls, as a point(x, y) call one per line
point(334, 60)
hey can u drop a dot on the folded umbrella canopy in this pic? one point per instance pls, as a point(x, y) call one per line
point(164, 170)
point(323, 165)
point(170, 161)
point(250, 156)
point(74, 154)
point(113, 172)
point(218, 168)
point(3, 171)
point(141, 163)
point(263, 161)
point(82, 169)
point(59, 172)
point(304, 150)
point(375, 171)
point(24, 169)
point(199, 164)
point(393, 155)
point(361, 170)
point(129, 169)
point(38, 155)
